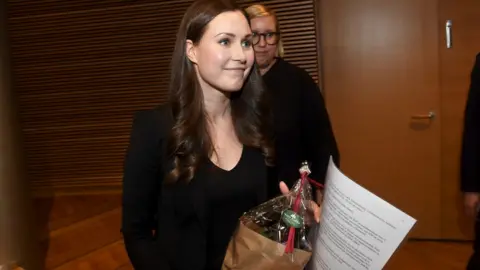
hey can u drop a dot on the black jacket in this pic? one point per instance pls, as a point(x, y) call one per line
point(470, 157)
point(179, 241)
point(301, 123)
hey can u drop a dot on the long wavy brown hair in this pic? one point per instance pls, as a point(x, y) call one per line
point(189, 142)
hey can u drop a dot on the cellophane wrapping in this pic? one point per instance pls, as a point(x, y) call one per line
point(274, 235)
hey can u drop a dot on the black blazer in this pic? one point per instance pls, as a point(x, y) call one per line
point(303, 130)
point(470, 158)
point(179, 240)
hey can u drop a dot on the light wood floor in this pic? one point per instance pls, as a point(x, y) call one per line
point(83, 233)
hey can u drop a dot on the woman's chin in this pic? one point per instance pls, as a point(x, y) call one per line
point(234, 87)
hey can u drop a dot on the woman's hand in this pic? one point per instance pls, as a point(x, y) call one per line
point(471, 201)
point(313, 205)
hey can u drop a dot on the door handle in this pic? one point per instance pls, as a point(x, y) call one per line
point(430, 116)
point(448, 33)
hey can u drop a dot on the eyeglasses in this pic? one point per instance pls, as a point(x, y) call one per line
point(271, 38)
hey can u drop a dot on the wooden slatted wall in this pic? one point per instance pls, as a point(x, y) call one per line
point(83, 67)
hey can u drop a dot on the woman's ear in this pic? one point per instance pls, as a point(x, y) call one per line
point(190, 51)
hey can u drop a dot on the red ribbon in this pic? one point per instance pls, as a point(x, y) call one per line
point(291, 234)
point(315, 183)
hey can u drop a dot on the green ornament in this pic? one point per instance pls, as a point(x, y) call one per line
point(292, 219)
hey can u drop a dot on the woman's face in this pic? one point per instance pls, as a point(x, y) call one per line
point(224, 55)
point(264, 53)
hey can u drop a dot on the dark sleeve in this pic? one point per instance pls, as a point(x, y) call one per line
point(141, 191)
point(470, 157)
point(319, 140)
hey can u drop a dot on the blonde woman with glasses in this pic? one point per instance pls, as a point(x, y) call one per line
point(301, 122)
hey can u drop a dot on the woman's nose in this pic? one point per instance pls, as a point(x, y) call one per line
point(238, 53)
point(262, 42)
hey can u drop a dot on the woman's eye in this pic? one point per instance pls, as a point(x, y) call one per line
point(224, 42)
point(246, 43)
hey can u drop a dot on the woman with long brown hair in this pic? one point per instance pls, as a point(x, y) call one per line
point(197, 163)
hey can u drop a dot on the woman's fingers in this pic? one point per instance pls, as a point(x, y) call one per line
point(284, 188)
point(313, 207)
point(314, 212)
point(317, 210)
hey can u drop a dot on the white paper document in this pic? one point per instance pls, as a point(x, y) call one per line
point(358, 230)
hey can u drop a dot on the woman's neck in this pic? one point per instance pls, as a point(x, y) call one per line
point(217, 105)
point(267, 68)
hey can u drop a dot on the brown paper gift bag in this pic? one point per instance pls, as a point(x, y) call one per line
point(249, 250)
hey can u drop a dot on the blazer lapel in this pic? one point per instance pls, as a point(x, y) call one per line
point(190, 201)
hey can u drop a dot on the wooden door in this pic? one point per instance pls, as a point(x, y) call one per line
point(455, 69)
point(380, 72)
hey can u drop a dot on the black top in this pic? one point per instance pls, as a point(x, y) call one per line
point(470, 163)
point(229, 195)
point(193, 222)
point(302, 125)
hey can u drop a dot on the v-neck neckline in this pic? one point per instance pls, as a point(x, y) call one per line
point(234, 167)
